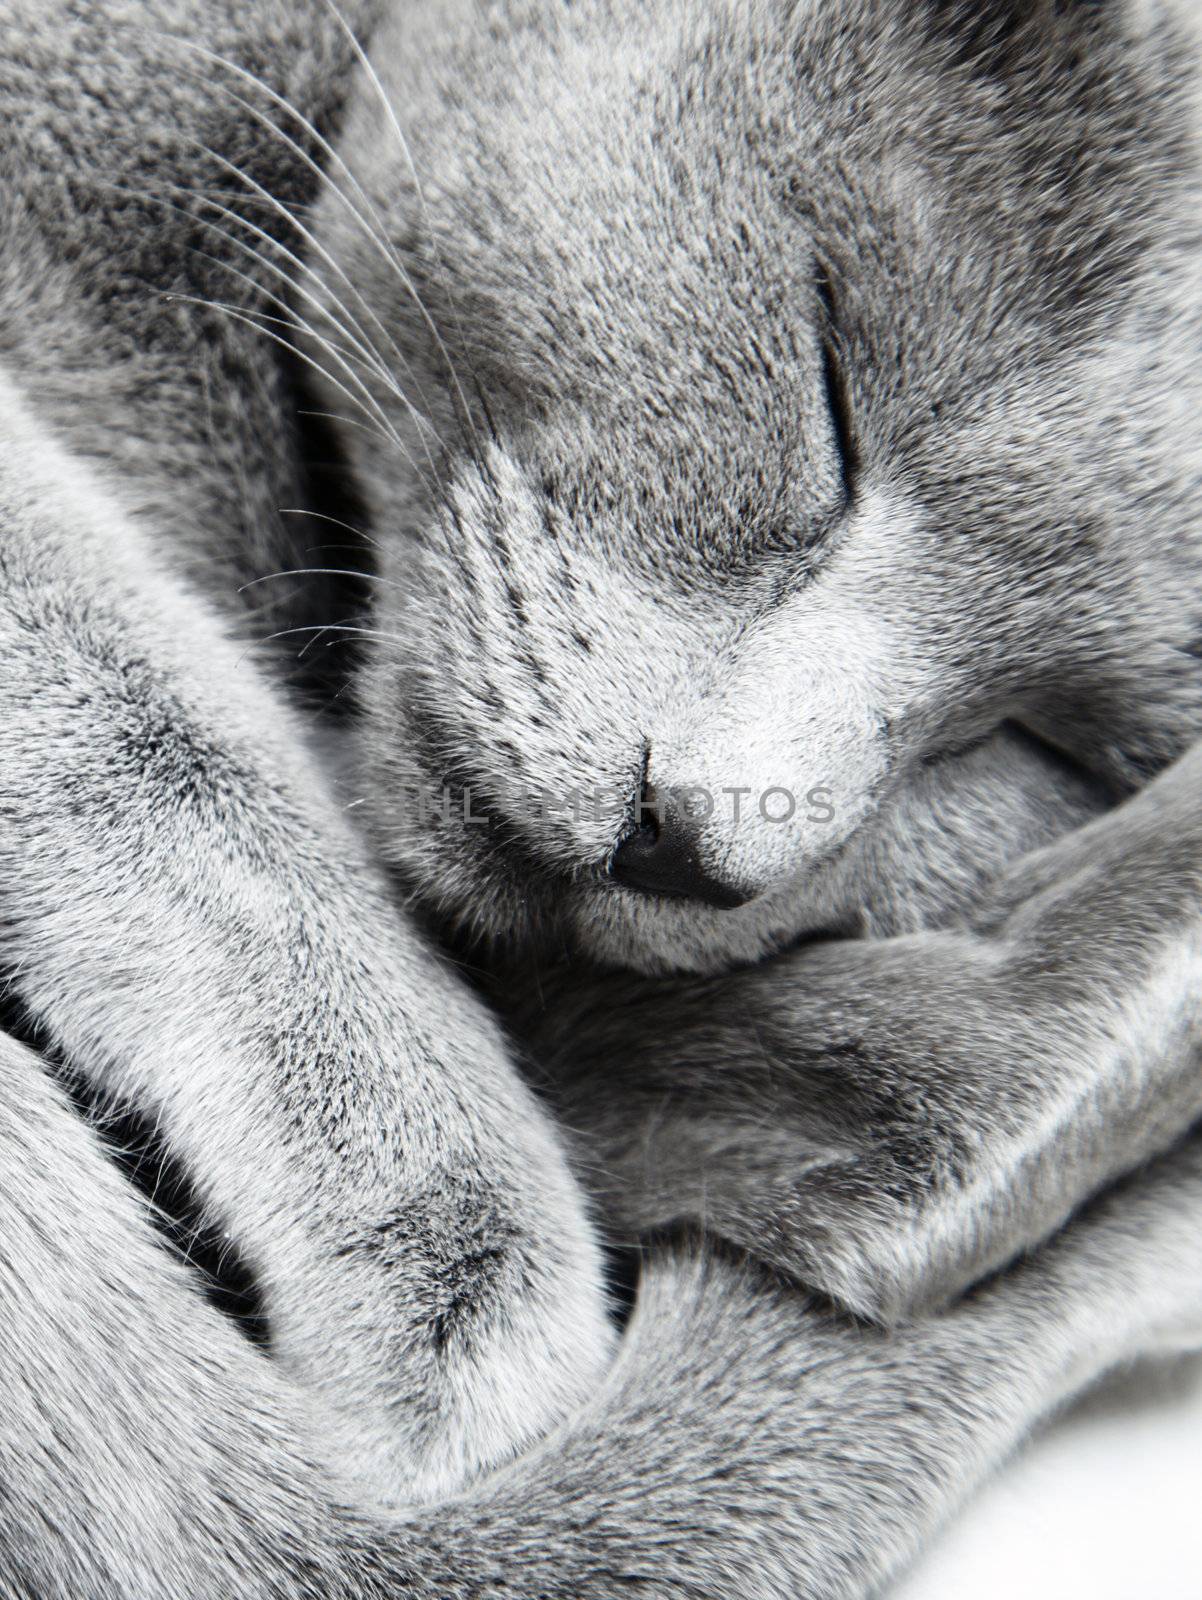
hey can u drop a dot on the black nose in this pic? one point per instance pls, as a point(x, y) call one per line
point(661, 857)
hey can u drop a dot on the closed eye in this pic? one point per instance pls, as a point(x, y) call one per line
point(835, 385)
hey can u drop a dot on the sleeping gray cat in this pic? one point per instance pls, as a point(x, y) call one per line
point(750, 398)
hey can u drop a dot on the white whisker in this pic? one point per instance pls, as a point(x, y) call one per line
point(373, 77)
point(322, 516)
point(335, 416)
point(369, 358)
point(304, 232)
point(249, 318)
point(328, 183)
point(336, 627)
point(331, 572)
point(359, 337)
point(301, 324)
point(377, 236)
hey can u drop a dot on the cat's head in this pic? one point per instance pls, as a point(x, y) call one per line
point(762, 431)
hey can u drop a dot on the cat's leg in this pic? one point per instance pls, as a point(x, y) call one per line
point(189, 916)
point(146, 1449)
point(798, 1456)
point(746, 1445)
point(891, 1119)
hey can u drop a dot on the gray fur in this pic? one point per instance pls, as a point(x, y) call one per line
point(647, 562)
point(568, 281)
point(197, 929)
point(180, 1462)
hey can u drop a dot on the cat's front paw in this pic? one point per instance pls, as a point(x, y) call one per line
point(855, 1115)
point(432, 1276)
point(447, 1333)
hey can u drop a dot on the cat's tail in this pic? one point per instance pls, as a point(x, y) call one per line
point(745, 1445)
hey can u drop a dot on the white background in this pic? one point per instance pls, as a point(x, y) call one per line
point(1104, 1504)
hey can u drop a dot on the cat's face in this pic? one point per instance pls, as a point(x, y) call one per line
point(775, 447)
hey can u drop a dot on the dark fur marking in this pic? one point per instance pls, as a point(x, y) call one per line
point(455, 1255)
